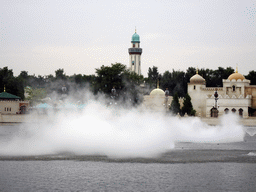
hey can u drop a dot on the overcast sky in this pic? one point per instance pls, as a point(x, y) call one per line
point(41, 36)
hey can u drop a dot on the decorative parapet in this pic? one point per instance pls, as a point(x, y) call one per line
point(13, 101)
point(212, 88)
point(233, 80)
point(227, 97)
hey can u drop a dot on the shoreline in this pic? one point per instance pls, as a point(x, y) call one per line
point(171, 157)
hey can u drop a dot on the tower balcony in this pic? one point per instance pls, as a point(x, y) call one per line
point(135, 51)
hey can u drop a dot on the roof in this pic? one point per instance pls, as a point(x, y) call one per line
point(5, 95)
point(197, 79)
point(135, 38)
point(236, 76)
point(158, 92)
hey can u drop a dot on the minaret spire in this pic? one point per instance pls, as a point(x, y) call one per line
point(135, 54)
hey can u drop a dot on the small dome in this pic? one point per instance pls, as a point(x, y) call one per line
point(236, 76)
point(157, 92)
point(197, 79)
point(135, 38)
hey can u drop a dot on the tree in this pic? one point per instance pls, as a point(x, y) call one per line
point(126, 83)
point(251, 76)
point(132, 89)
point(175, 81)
point(187, 106)
point(59, 74)
point(109, 77)
point(35, 95)
point(153, 76)
point(12, 84)
point(175, 105)
point(23, 76)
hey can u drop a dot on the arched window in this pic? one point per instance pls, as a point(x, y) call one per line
point(241, 112)
point(226, 111)
point(133, 44)
point(194, 87)
point(234, 88)
point(233, 110)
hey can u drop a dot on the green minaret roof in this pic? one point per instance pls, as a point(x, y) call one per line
point(135, 38)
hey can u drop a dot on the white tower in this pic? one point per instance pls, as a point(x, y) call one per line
point(135, 54)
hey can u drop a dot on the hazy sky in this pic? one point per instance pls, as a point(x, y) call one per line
point(41, 36)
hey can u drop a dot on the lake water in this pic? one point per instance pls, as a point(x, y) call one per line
point(100, 176)
point(189, 167)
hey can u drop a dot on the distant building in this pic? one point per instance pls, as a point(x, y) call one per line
point(236, 95)
point(135, 54)
point(12, 104)
point(158, 101)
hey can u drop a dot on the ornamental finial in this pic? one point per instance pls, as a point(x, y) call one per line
point(236, 68)
point(4, 88)
point(197, 70)
point(135, 29)
point(157, 83)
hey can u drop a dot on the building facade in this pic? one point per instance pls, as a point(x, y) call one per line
point(158, 101)
point(12, 104)
point(236, 95)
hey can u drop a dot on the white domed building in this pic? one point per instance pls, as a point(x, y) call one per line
point(156, 101)
point(236, 95)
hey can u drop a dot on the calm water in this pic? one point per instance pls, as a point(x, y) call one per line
point(99, 176)
point(73, 175)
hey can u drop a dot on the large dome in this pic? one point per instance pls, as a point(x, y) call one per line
point(135, 38)
point(157, 92)
point(236, 76)
point(197, 79)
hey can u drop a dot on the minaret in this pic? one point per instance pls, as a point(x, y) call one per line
point(135, 54)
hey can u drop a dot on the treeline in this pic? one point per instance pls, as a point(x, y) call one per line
point(176, 81)
point(117, 75)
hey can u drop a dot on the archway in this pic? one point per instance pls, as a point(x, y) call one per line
point(226, 111)
point(233, 110)
point(214, 112)
point(23, 109)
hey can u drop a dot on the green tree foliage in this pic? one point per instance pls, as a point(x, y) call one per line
point(187, 106)
point(153, 76)
point(175, 82)
point(59, 74)
point(214, 78)
point(125, 82)
point(109, 77)
point(35, 95)
point(24, 77)
point(251, 76)
point(175, 105)
point(117, 75)
point(12, 84)
point(132, 89)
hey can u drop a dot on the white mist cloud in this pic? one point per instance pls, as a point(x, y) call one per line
point(116, 132)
